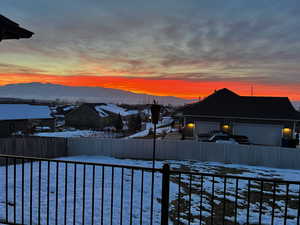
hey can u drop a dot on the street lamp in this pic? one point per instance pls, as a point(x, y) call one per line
point(155, 111)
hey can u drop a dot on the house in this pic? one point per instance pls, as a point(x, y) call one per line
point(264, 120)
point(96, 115)
point(23, 118)
point(86, 116)
point(59, 113)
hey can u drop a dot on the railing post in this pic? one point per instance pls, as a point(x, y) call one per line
point(165, 194)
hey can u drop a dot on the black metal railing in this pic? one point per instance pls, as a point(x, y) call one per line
point(203, 198)
point(44, 191)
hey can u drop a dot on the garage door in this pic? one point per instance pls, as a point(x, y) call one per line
point(206, 127)
point(264, 134)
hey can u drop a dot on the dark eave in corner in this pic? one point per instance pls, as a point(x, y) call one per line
point(12, 30)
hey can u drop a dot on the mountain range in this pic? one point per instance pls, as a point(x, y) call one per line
point(48, 91)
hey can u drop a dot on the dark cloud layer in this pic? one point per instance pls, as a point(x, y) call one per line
point(256, 40)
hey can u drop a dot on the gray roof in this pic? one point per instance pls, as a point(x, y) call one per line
point(24, 111)
point(225, 103)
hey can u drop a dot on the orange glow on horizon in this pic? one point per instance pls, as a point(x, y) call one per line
point(179, 88)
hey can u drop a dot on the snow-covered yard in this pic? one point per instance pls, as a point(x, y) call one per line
point(145, 133)
point(78, 133)
point(162, 127)
point(132, 188)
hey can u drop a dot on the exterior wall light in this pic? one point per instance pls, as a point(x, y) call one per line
point(226, 128)
point(286, 132)
point(190, 125)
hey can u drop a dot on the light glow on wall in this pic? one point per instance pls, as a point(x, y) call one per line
point(226, 127)
point(287, 132)
point(190, 125)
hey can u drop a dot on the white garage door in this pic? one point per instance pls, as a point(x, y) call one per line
point(206, 127)
point(264, 134)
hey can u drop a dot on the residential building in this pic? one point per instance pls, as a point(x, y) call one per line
point(23, 118)
point(264, 120)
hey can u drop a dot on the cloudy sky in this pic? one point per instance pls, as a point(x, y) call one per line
point(184, 48)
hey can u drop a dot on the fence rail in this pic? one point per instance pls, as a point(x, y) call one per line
point(254, 155)
point(46, 191)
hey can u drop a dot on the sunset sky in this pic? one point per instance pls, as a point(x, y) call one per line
point(183, 48)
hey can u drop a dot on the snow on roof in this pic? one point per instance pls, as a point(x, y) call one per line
point(69, 107)
point(147, 112)
point(117, 110)
point(167, 120)
point(100, 111)
point(24, 111)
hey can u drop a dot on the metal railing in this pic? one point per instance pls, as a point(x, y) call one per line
point(44, 191)
point(203, 198)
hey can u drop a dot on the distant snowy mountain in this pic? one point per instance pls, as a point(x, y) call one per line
point(47, 91)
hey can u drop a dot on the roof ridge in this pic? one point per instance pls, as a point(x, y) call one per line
point(246, 96)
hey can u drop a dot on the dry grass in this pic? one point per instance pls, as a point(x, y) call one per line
point(217, 201)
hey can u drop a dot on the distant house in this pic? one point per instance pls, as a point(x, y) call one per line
point(23, 118)
point(96, 116)
point(264, 120)
point(88, 115)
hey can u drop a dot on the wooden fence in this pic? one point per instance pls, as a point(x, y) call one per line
point(34, 147)
point(254, 155)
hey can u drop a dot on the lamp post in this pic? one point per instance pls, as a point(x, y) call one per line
point(155, 111)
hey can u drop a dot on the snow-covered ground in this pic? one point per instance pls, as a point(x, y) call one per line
point(77, 133)
point(145, 133)
point(166, 121)
point(132, 188)
point(162, 127)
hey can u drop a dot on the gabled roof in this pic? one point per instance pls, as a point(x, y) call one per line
point(12, 30)
point(94, 107)
point(104, 109)
point(225, 103)
point(115, 109)
point(24, 111)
